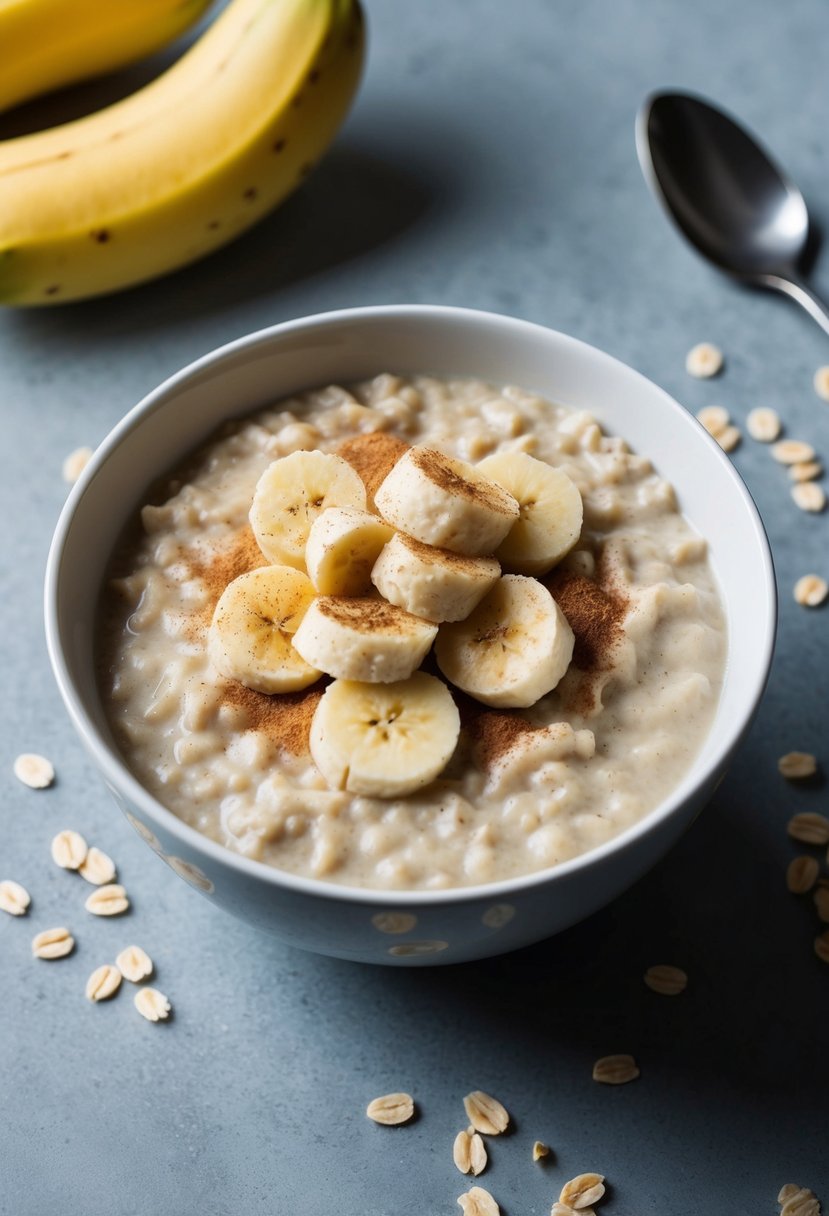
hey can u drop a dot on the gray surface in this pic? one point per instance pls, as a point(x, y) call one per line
point(489, 162)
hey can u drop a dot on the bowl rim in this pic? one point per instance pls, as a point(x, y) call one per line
point(114, 767)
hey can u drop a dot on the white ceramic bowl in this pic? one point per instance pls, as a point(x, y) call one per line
point(415, 927)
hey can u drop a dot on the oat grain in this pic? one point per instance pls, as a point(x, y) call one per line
point(485, 1113)
point(391, 1109)
point(14, 899)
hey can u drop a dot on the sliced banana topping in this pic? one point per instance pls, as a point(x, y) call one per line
point(343, 546)
point(445, 502)
point(551, 511)
point(384, 740)
point(363, 639)
point(513, 649)
point(249, 639)
point(432, 583)
point(289, 496)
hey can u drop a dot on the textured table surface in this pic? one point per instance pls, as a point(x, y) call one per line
point(488, 162)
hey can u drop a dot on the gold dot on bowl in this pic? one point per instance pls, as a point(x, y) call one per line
point(394, 922)
point(498, 915)
point(408, 949)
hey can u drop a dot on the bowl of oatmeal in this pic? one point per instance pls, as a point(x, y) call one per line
point(412, 634)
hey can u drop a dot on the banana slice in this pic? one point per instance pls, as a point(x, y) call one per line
point(342, 547)
point(551, 511)
point(384, 740)
point(514, 648)
point(432, 583)
point(445, 502)
point(289, 496)
point(249, 639)
point(363, 639)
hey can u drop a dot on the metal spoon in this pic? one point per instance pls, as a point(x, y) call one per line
point(727, 196)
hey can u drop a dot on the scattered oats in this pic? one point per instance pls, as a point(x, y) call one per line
point(763, 425)
point(704, 360)
point(110, 900)
point(540, 1149)
point(715, 419)
point(822, 946)
point(792, 451)
point(14, 899)
point(478, 1202)
point(75, 463)
point(152, 1004)
point(811, 590)
point(786, 1192)
point(809, 827)
point(103, 983)
point(486, 1114)
point(821, 898)
point(666, 980)
point(53, 943)
point(809, 496)
point(795, 765)
point(615, 1070)
point(802, 1203)
point(98, 867)
point(69, 850)
point(729, 438)
point(391, 1109)
point(134, 964)
point(469, 1153)
point(821, 382)
point(801, 874)
point(35, 771)
point(805, 470)
point(582, 1191)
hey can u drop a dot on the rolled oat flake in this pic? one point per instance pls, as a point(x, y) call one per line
point(69, 850)
point(110, 900)
point(103, 983)
point(794, 766)
point(33, 770)
point(811, 590)
point(704, 360)
point(14, 899)
point(53, 943)
point(134, 964)
point(152, 1004)
point(391, 1109)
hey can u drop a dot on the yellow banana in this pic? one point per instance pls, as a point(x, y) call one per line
point(186, 163)
point(50, 43)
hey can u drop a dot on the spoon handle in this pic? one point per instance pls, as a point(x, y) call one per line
point(802, 295)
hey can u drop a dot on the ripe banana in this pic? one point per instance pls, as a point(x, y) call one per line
point(186, 163)
point(384, 740)
point(342, 547)
point(290, 495)
point(445, 502)
point(363, 639)
point(432, 583)
point(512, 649)
point(551, 511)
point(249, 639)
point(50, 43)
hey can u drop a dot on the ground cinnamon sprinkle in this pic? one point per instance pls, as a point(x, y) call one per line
point(595, 615)
point(493, 732)
point(243, 554)
point(284, 717)
point(372, 457)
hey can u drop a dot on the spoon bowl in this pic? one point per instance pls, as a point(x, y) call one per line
point(726, 194)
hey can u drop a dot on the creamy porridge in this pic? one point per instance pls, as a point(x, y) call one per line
point(585, 714)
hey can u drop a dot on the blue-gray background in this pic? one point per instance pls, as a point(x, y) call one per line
point(489, 161)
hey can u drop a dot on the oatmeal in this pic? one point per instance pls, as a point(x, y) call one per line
point(547, 621)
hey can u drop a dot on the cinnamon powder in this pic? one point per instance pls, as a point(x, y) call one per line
point(284, 717)
point(372, 456)
point(595, 615)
